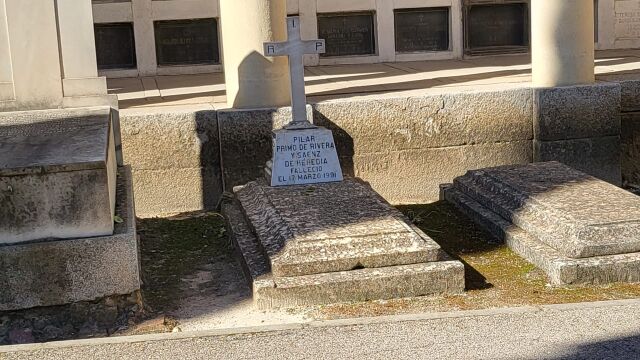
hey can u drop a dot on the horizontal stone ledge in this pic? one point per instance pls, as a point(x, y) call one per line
point(176, 139)
point(171, 191)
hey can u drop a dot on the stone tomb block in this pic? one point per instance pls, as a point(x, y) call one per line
point(333, 242)
point(57, 176)
point(425, 29)
point(496, 26)
point(49, 273)
point(347, 34)
point(577, 228)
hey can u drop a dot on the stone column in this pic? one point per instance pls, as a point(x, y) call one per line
point(575, 120)
point(6, 74)
point(562, 42)
point(252, 80)
point(35, 60)
point(142, 11)
point(78, 49)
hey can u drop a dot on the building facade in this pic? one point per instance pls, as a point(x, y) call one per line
point(163, 37)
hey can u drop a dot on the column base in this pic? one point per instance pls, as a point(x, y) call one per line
point(84, 86)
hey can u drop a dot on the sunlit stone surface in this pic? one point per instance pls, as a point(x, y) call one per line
point(333, 242)
point(576, 227)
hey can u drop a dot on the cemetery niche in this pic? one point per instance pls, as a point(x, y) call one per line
point(307, 236)
point(347, 34)
point(496, 26)
point(187, 42)
point(422, 29)
point(115, 46)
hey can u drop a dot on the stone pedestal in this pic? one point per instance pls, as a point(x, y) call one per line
point(576, 228)
point(580, 127)
point(47, 56)
point(333, 242)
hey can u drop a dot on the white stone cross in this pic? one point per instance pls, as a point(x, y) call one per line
point(295, 48)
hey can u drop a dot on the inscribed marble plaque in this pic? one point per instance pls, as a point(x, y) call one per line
point(306, 156)
point(627, 19)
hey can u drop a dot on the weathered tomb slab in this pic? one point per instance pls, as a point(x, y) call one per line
point(57, 176)
point(576, 214)
point(52, 273)
point(577, 228)
point(336, 227)
point(560, 269)
point(332, 242)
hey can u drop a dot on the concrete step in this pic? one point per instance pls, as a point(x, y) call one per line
point(443, 277)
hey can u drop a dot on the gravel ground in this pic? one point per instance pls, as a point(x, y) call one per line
point(583, 331)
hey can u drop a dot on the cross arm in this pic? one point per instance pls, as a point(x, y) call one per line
point(290, 48)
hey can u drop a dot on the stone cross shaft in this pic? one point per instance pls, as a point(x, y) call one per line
point(295, 48)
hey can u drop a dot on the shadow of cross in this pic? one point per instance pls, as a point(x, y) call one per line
point(295, 48)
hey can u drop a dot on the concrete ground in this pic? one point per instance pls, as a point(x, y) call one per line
point(364, 80)
point(606, 330)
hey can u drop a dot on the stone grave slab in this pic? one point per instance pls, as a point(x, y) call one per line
point(115, 46)
point(348, 34)
point(57, 176)
point(333, 242)
point(577, 228)
point(424, 29)
point(187, 42)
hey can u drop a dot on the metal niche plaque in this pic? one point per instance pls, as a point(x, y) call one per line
point(422, 29)
point(115, 46)
point(187, 42)
point(497, 28)
point(347, 34)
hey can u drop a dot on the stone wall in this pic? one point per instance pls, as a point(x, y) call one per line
point(183, 160)
point(580, 126)
point(631, 149)
point(175, 159)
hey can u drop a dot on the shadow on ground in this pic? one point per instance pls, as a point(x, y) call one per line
point(188, 259)
point(627, 347)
